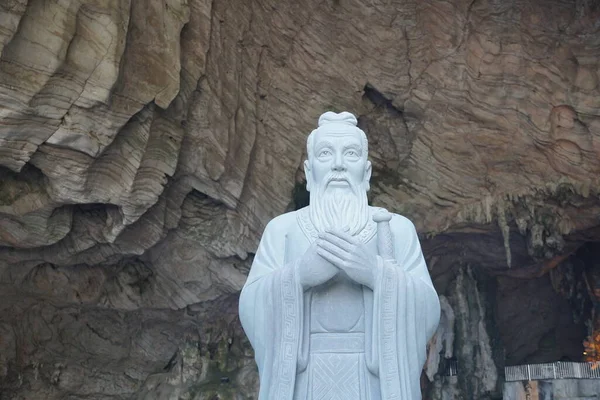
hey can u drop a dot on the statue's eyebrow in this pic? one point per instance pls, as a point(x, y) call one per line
point(323, 143)
point(353, 146)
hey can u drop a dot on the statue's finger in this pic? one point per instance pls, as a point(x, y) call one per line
point(333, 239)
point(332, 258)
point(333, 249)
point(344, 236)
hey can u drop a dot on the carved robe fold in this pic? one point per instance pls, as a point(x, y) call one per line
point(338, 340)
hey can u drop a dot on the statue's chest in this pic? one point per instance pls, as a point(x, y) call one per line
point(337, 306)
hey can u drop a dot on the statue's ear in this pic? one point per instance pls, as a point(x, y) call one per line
point(368, 171)
point(308, 175)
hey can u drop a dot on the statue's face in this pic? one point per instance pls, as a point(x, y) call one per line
point(338, 161)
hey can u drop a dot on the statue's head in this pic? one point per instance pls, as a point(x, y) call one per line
point(337, 153)
point(337, 173)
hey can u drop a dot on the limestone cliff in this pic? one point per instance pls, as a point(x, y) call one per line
point(145, 144)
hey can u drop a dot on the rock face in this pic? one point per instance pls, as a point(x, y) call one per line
point(144, 145)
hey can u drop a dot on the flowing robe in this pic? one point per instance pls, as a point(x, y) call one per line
point(401, 313)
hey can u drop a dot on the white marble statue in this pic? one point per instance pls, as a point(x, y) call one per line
point(339, 303)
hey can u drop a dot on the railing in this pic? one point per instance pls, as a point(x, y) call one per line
point(557, 370)
point(451, 366)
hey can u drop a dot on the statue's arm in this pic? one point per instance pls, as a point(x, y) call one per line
point(270, 254)
point(407, 249)
point(409, 257)
point(309, 270)
point(256, 305)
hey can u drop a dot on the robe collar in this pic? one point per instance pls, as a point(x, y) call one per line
point(311, 233)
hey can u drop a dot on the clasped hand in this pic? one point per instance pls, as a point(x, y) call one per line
point(349, 255)
point(334, 251)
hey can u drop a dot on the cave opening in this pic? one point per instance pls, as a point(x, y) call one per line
point(584, 296)
point(300, 196)
point(554, 317)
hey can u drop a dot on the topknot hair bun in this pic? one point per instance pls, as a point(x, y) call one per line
point(334, 118)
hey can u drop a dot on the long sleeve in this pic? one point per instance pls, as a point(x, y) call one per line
point(270, 310)
point(410, 258)
point(407, 313)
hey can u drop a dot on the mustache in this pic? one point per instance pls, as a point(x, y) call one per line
point(337, 176)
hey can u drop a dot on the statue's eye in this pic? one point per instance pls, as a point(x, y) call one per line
point(325, 153)
point(352, 153)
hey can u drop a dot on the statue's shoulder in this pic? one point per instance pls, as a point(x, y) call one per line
point(281, 224)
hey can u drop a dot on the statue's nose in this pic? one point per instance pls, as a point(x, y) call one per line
point(338, 164)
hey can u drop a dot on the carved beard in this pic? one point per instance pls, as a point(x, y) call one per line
point(336, 207)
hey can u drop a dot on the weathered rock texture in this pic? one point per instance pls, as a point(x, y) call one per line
point(145, 144)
